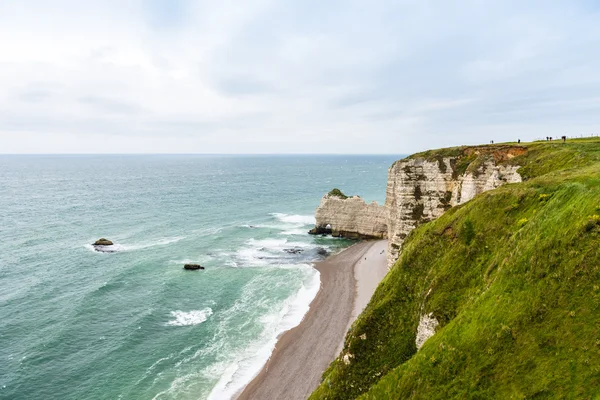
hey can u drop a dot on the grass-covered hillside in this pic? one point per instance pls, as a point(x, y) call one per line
point(513, 277)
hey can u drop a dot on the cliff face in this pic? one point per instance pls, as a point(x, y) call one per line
point(351, 217)
point(497, 298)
point(420, 188)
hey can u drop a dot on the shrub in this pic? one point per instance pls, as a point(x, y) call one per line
point(468, 231)
point(335, 192)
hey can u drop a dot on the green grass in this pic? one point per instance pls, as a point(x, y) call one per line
point(513, 277)
point(335, 192)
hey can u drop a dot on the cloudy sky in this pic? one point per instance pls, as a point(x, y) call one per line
point(304, 76)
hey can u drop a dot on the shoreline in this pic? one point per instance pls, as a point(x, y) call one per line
point(301, 355)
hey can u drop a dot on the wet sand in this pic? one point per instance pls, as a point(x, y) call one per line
point(348, 280)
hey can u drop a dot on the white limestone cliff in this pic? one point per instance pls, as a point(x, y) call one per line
point(420, 190)
point(351, 217)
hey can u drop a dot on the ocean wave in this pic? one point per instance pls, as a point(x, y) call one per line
point(263, 252)
point(248, 362)
point(120, 247)
point(177, 385)
point(160, 242)
point(293, 232)
point(289, 224)
point(295, 218)
point(276, 244)
point(115, 248)
point(263, 226)
point(186, 318)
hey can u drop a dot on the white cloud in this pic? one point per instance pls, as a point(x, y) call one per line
point(184, 76)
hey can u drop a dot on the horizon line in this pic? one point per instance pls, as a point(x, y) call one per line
point(201, 154)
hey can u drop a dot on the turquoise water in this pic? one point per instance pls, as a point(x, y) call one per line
point(78, 324)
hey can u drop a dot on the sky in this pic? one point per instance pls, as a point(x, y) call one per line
point(304, 76)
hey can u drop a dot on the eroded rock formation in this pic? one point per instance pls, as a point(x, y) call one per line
point(350, 217)
point(421, 187)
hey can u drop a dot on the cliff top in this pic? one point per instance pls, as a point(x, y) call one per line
point(335, 192)
point(535, 158)
point(513, 277)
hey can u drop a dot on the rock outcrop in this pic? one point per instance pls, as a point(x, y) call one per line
point(103, 242)
point(350, 217)
point(103, 246)
point(421, 187)
point(426, 329)
point(193, 267)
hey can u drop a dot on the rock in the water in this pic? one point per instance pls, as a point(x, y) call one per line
point(103, 246)
point(322, 251)
point(103, 242)
point(319, 230)
point(295, 250)
point(350, 217)
point(193, 266)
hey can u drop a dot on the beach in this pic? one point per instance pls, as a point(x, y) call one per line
point(348, 280)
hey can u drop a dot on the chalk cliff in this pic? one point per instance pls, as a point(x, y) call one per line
point(350, 217)
point(497, 297)
point(421, 187)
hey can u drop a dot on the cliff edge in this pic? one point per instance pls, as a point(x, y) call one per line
point(496, 298)
point(423, 186)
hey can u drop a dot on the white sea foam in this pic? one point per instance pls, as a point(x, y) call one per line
point(200, 260)
point(295, 218)
point(292, 232)
point(194, 317)
point(278, 244)
point(150, 369)
point(115, 248)
point(120, 247)
point(289, 224)
point(248, 363)
point(184, 261)
point(265, 252)
point(208, 231)
point(179, 382)
point(160, 242)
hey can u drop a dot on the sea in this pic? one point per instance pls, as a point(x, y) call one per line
point(133, 324)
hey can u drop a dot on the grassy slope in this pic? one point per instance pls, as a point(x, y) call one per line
point(513, 276)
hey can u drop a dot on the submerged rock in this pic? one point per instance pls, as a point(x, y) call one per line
point(295, 250)
point(193, 266)
point(322, 251)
